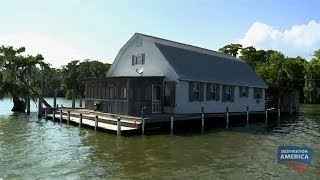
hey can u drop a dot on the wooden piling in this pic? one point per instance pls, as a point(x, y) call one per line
point(142, 120)
point(68, 120)
point(80, 120)
point(73, 99)
point(55, 99)
point(202, 119)
point(266, 116)
point(279, 113)
point(227, 117)
point(46, 114)
point(247, 115)
point(118, 127)
point(96, 123)
point(171, 124)
point(60, 116)
point(53, 115)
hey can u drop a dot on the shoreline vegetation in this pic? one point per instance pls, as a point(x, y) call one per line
point(24, 77)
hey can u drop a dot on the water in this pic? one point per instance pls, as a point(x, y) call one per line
point(33, 149)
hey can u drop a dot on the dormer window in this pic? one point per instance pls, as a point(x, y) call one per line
point(138, 59)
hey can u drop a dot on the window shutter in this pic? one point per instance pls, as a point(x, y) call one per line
point(201, 91)
point(232, 94)
point(190, 91)
point(207, 92)
point(132, 60)
point(218, 92)
point(223, 93)
point(143, 58)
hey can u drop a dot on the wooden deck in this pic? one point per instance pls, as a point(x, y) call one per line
point(108, 121)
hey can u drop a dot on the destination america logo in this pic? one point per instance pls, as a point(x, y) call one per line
point(295, 156)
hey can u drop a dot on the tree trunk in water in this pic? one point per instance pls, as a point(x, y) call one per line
point(18, 105)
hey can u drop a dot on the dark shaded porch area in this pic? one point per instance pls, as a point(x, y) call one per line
point(125, 95)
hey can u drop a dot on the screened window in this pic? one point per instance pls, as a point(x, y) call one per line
point(228, 93)
point(138, 59)
point(213, 91)
point(243, 91)
point(196, 91)
point(257, 93)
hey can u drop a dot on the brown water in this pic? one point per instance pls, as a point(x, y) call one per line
point(33, 149)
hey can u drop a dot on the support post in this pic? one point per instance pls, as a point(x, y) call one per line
point(73, 99)
point(96, 123)
point(118, 127)
point(80, 103)
point(202, 119)
point(279, 113)
point(227, 117)
point(266, 116)
point(143, 120)
point(68, 120)
point(80, 120)
point(46, 114)
point(55, 99)
point(247, 115)
point(53, 114)
point(60, 116)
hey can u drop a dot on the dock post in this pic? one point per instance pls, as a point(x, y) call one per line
point(118, 127)
point(171, 124)
point(227, 116)
point(266, 116)
point(54, 114)
point(80, 120)
point(143, 120)
point(46, 114)
point(279, 114)
point(68, 120)
point(55, 99)
point(96, 123)
point(247, 115)
point(202, 119)
point(60, 116)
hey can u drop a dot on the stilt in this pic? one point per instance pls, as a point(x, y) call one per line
point(53, 115)
point(73, 99)
point(55, 100)
point(68, 120)
point(171, 125)
point(247, 115)
point(278, 113)
point(80, 120)
point(46, 114)
point(227, 116)
point(143, 125)
point(266, 116)
point(142, 120)
point(118, 127)
point(96, 123)
point(60, 116)
point(202, 119)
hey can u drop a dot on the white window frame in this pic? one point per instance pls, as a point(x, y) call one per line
point(243, 91)
point(228, 92)
point(257, 93)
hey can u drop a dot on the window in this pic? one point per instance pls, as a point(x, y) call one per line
point(243, 91)
point(228, 93)
point(213, 92)
point(169, 93)
point(257, 93)
point(138, 59)
point(195, 91)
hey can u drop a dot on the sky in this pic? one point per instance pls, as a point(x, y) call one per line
point(65, 30)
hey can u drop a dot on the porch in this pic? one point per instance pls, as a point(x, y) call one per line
point(128, 95)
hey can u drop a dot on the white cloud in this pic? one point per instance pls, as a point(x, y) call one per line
point(55, 52)
point(300, 40)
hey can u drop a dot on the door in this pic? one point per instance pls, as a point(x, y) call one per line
point(156, 99)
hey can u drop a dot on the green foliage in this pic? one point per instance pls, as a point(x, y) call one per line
point(231, 49)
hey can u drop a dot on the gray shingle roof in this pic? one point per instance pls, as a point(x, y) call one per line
point(196, 66)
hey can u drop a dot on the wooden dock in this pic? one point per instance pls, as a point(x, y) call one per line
point(137, 125)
